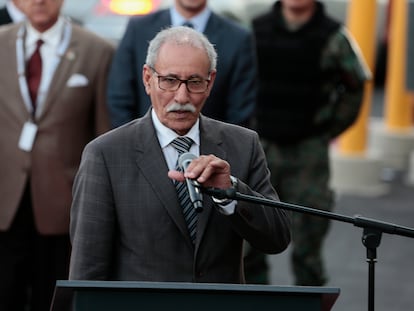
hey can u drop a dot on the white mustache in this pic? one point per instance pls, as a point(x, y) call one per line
point(178, 107)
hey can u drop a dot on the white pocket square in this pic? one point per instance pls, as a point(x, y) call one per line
point(77, 80)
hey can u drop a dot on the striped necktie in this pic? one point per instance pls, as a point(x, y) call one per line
point(183, 144)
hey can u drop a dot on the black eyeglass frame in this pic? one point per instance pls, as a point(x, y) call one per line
point(185, 81)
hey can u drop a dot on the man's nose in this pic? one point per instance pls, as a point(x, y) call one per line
point(182, 94)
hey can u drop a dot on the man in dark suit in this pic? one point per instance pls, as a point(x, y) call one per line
point(43, 131)
point(11, 12)
point(127, 222)
point(234, 93)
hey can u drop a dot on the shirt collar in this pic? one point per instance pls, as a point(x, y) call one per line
point(166, 135)
point(52, 36)
point(199, 21)
point(14, 12)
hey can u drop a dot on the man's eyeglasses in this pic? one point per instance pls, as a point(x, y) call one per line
point(171, 84)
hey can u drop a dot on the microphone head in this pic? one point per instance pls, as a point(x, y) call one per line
point(185, 159)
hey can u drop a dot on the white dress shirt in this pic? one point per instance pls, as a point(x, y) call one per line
point(51, 39)
point(199, 21)
point(54, 39)
point(166, 136)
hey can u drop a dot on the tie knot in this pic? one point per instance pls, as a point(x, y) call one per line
point(39, 43)
point(182, 144)
point(188, 24)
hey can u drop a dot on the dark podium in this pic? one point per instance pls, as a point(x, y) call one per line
point(153, 296)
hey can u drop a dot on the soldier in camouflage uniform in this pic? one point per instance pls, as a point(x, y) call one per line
point(311, 82)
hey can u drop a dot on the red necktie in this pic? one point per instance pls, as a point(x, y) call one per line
point(34, 72)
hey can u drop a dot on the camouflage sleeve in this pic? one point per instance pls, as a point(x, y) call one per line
point(345, 74)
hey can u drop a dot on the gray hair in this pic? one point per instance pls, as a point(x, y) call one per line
point(180, 35)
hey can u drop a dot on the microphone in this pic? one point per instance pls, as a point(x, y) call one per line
point(193, 186)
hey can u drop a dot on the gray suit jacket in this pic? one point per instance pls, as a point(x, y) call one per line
point(233, 95)
point(71, 117)
point(126, 222)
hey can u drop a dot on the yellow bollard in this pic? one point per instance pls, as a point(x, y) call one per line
point(411, 105)
point(361, 22)
point(398, 113)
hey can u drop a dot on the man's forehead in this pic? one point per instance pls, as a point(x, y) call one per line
point(183, 57)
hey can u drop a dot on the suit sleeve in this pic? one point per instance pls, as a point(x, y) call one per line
point(92, 227)
point(265, 228)
point(343, 58)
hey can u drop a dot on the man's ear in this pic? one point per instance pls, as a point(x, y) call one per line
point(146, 78)
point(211, 83)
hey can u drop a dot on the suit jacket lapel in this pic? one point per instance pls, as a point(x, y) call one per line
point(212, 30)
point(155, 171)
point(19, 108)
point(61, 74)
point(162, 20)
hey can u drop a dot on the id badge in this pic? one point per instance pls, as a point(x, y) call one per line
point(28, 136)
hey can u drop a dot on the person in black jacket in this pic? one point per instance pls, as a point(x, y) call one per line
point(311, 82)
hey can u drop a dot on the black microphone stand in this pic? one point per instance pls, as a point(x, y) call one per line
point(372, 229)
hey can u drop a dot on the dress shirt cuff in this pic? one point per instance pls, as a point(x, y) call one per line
point(225, 206)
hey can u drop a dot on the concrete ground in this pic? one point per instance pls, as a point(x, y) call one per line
point(345, 253)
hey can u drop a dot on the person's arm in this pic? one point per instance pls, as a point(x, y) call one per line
point(265, 228)
point(343, 60)
point(123, 81)
point(92, 226)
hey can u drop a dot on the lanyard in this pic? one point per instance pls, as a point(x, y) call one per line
point(45, 80)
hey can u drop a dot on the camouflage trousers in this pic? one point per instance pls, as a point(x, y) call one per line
point(300, 175)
